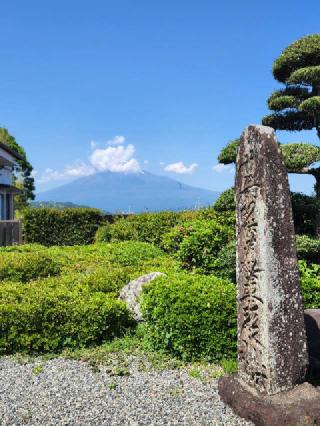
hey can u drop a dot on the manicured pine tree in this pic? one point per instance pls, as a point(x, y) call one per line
point(295, 107)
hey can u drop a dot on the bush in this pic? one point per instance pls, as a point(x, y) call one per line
point(101, 279)
point(225, 264)
point(227, 218)
point(27, 266)
point(226, 201)
point(103, 234)
point(191, 317)
point(146, 227)
point(49, 316)
point(310, 285)
point(106, 281)
point(86, 259)
point(197, 244)
point(23, 248)
point(49, 226)
point(308, 248)
point(133, 253)
point(124, 230)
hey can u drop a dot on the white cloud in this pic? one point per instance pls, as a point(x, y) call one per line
point(146, 162)
point(71, 171)
point(115, 159)
point(181, 168)
point(222, 168)
point(117, 140)
point(93, 144)
point(80, 169)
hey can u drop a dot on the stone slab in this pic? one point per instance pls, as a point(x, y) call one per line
point(297, 407)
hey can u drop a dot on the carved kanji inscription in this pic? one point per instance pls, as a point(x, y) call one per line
point(271, 337)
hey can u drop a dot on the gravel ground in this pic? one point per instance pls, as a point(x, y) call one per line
point(67, 392)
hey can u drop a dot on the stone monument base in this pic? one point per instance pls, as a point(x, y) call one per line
point(299, 406)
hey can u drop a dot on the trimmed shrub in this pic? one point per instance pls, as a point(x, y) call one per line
point(310, 285)
point(226, 201)
point(124, 230)
point(104, 280)
point(197, 244)
point(86, 259)
point(101, 279)
point(225, 264)
point(308, 248)
point(103, 234)
point(23, 248)
point(227, 218)
point(133, 253)
point(191, 317)
point(171, 240)
point(49, 226)
point(48, 317)
point(201, 248)
point(24, 267)
point(146, 227)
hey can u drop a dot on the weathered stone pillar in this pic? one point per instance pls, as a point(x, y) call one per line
point(272, 354)
point(271, 335)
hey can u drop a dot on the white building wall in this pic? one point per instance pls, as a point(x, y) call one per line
point(5, 176)
point(6, 155)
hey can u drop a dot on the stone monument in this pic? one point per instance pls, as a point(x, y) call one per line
point(272, 353)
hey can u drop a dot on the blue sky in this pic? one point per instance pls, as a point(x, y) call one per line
point(126, 85)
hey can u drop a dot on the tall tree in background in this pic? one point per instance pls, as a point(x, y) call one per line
point(295, 107)
point(23, 175)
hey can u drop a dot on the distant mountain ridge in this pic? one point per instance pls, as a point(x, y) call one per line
point(119, 192)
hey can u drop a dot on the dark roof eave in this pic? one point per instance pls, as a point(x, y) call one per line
point(10, 189)
point(11, 151)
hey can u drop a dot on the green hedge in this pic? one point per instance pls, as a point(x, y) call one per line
point(24, 267)
point(88, 258)
point(147, 227)
point(308, 248)
point(226, 201)
point(47, 316)
point(310, 285)
point(197, 244)
point(49, 226)
point(101, 279)
point(191, 317)
point(103, 234)
point(194, 317)
point(225, 264)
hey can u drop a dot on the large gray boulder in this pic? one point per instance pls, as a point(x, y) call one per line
point(131, 293)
